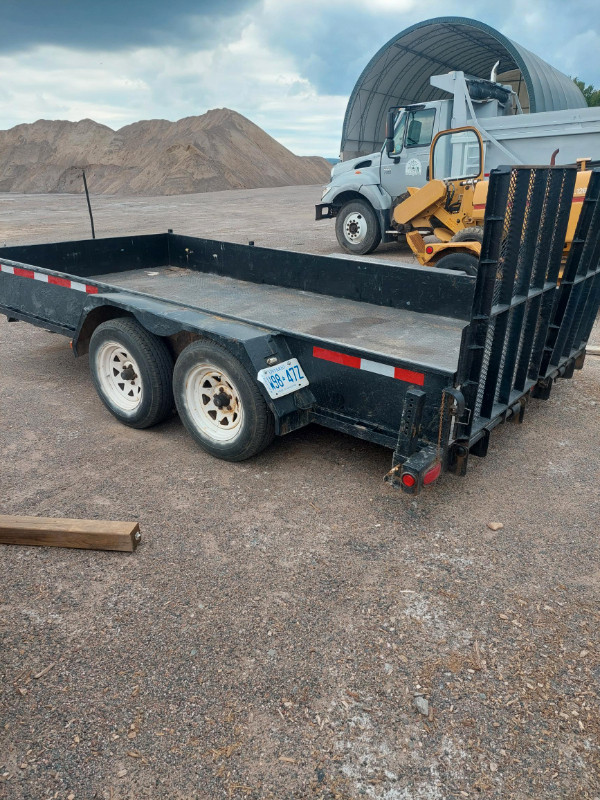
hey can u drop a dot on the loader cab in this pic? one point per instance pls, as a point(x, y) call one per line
point(457, 160)
point(457, 155)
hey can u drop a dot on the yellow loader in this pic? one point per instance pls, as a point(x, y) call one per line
point(452, 209)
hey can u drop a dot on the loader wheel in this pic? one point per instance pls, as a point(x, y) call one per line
point(474, 234)
point(461, 262)
point(132, 369)
point(357, 227)
point(220, 404)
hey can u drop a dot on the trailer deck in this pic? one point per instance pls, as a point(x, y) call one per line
point(426, 340)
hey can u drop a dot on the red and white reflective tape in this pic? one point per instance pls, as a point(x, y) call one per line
point(398, 373)
point(52, 279)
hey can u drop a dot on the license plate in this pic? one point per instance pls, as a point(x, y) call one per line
point(283, 378)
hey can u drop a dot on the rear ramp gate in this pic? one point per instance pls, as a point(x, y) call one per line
point(532, 314)
point(526, 331)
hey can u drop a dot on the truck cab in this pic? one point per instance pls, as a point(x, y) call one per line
point(365, 189)
point(405, 162)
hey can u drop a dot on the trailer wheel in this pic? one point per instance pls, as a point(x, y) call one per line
point(132, 372)
point(220, 404)
point(462, 262)
point(473, 234)
point(357, 227)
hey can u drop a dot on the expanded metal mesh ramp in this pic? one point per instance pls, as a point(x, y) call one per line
point(529, 323)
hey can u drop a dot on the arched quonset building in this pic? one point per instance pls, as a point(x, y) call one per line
point(399, 75)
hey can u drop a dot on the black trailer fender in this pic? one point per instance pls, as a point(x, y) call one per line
point(255, 347)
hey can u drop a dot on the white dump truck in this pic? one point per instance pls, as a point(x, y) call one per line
point(364, 190)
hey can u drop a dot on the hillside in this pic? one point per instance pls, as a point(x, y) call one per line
point(218, 150)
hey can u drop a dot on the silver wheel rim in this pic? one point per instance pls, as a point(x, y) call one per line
point(355, 227)
point(119, 376)
point(213, 402)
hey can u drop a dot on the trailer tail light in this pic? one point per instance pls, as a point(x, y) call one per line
point(429, 249)
point(432, 475)
point(417, 472)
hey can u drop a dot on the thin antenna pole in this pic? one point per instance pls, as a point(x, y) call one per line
point(87, 194)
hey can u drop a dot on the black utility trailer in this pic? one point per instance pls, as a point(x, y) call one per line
point(250, 342)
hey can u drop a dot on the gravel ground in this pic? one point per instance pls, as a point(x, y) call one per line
point(290, 627)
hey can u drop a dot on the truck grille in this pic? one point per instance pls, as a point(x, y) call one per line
point(525, 330)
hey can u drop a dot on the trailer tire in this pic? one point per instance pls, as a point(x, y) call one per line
point(220, 404)
point(143, 397)
point(357, 227)
point(473, 234)
point(462, 262)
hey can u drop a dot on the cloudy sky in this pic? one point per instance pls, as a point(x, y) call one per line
point(288, 65)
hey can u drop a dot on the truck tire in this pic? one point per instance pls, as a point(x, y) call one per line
point(220, 404)
point(400, 227)
point(132, 371)
point(462, 262)
point(474, 234)
point(357, 227)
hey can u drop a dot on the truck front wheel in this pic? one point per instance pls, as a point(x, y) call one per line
point(220, 404)
point(132, 372)
point(357, 227)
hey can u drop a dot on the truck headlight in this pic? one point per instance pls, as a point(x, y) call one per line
point(324, 192)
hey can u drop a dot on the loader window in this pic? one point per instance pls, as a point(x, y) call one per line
point(419, 131)
point(457, 154)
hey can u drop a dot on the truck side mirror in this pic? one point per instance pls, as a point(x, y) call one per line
point(389, 132)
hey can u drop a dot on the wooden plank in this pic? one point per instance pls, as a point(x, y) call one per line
point(88, 534)
point(593, 350)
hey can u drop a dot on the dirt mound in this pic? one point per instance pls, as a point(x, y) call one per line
point(218, 150)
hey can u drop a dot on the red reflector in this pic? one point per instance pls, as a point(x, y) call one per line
point(429, 250)
point(408, 480)
point(24, 273)
point(409, 376)
point(337, 358)
point(432, 475)
point(59, 281)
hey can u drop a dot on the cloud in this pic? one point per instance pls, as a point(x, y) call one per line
point(288, 65)
point(118, 24)
point(117, 88)
point(569, 41)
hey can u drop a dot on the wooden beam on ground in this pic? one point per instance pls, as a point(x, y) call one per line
point(88, 534)
point(593, 350)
